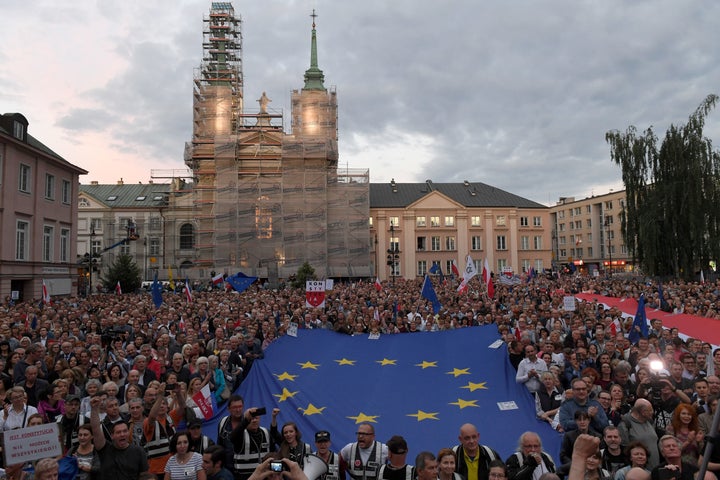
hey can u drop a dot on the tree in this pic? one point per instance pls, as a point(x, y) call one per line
point(304, 273)
point(124, 270)
point(671, 220)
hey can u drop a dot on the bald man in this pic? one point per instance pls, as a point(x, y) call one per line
point(473, 459)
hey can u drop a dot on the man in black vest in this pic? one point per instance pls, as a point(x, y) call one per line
point(362, 459)
point(473, 459)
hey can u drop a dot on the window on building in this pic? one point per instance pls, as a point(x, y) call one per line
point(500, 220)
point(562, 240)
point(395, 243)
point(609, 220)
point(579, 252)
point(563, 252)
point(22, 238)
point(524, 242)
point(434, 221)
point(539, 265)
point(154, 246)
point(155, 223)
point(187, 236)
point(421, 244)
point(589, 251)
point(476, 242)
point(537, 242)
point(96, 247)
point(475, 221)
point(450, 243)
point(501, 243)
point(588, 208)
point(524, 222)
point(422, 268)
point(449, 221)
point(370, 221)
point(578, 225)
point(66, 192)
point(578, 211)
point(537, 221)
point(263, 218)
point(622, 204)
point(395, 221)
point(49, 186)
point(448, 267)
point(501, 264)
point(18, 130)
point(420, 222)
point(24, 182)
point(623, 249)
point(96, 224)
point(609, 205)
point(435, 244)
point(561, 214)
point(525, 265)
point(588, 223)
point(47, 245)
point(572, 225)
point(562, 227)
point(64, 245)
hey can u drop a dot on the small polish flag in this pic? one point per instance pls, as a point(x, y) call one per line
point(181, 325)
point(118, 289)
point(202, 400)
point(45, 294)
point(378, 285)
point(188, 292)
point(455, 269)
point(217, 279)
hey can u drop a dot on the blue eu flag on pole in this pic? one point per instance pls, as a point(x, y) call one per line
point(156, 291)
point(639, 326)
point(240, 282)
point(422, 386)
point(429, 292)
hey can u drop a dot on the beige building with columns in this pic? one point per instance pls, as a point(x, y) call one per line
point(440, 222)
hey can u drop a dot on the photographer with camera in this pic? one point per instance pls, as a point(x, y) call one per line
point(251, 443)
point(663, 396)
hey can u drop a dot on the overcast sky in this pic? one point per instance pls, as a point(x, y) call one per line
point(514, 93)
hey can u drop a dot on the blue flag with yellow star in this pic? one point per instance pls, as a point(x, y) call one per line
point(422, 386)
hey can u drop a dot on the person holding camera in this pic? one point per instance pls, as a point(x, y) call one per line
point(275, 468)
point(251, 443)
point(664, 396)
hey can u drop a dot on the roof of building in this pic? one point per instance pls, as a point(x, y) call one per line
point(34, 142)
point(469, 194)
point(128, 195)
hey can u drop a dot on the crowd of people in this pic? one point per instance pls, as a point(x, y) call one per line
point(118, 376)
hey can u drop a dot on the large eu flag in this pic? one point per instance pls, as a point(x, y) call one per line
point(422, 386)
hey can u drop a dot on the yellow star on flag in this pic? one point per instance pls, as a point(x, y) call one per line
point(309, 365)
point(284, 395)
point(475, 386)
point(312, 410)
point(465, 403)
point(285, 376)
point(345, 361)
point(459, 371)
point(361, 417)
point(424, 415)
point(386, 361)
point(425, 364)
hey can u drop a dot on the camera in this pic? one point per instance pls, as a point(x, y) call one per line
point(259, 411)
point(277, 466)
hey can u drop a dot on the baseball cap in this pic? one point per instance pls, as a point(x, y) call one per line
point(72, 398)
point(322, 436)
point(195, 422)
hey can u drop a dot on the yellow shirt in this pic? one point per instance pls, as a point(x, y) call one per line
point(472, 465)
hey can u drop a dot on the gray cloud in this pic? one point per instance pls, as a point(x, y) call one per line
point(515, 94)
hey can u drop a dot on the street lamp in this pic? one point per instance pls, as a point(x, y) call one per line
point(393, 253)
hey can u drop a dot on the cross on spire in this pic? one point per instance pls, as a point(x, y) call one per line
point(313, 15)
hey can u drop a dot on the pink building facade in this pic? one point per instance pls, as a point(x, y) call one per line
point(38, 215)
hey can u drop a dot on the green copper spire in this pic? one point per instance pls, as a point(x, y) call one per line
point(314, 77)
